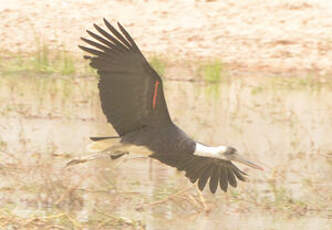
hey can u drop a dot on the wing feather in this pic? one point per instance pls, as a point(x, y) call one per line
point(118, 44)
point(104, 41)
point(239, 174)
point(204, 177)
point(194, 173)
point(214, 179)
point(199, 168)
point(223, 180)
point(131, 92)
point(231, 177)
point(116, 33)
point(97, 45)
point(92, 51)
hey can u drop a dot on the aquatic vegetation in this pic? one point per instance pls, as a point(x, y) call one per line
point(212, 71)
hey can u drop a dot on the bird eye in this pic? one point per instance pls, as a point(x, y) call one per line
point(230, 151)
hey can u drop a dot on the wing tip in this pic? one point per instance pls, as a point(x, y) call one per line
point(107, 23)
point(98, 28)
point(81, 47)
point(119, 25)
point(89, 32)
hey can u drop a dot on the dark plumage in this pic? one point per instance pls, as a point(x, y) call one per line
point(132, 98)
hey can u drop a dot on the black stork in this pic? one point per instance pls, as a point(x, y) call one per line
point(132, 99)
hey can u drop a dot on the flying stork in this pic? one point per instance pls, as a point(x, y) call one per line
point(132, 99)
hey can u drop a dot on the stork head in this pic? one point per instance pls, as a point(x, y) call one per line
point(231, 154)
point(224, 153)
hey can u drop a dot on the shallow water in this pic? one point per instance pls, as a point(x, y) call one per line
point(283, 125)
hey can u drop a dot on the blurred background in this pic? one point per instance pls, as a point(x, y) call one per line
point(252, 74)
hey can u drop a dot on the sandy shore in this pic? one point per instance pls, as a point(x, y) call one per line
point(254, 35)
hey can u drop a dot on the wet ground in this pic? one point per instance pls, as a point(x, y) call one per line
point(282, 123)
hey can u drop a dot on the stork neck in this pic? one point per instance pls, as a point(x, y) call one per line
point(209, 151)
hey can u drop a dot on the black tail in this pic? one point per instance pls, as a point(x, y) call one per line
point(102, 138)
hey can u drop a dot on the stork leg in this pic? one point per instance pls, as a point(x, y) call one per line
point(202, 200)
point(95, 156)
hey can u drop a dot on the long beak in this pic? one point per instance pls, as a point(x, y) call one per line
point(241, 159)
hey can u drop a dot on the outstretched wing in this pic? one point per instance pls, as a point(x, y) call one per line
point(131, 92)
point(199, 168)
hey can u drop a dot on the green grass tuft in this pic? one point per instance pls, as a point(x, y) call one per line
point(212, 71)
point(158, 65)
point(43, 60)
point(40, 62)
point(68, 66)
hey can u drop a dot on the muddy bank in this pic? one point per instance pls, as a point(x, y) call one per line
point(270, 36)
